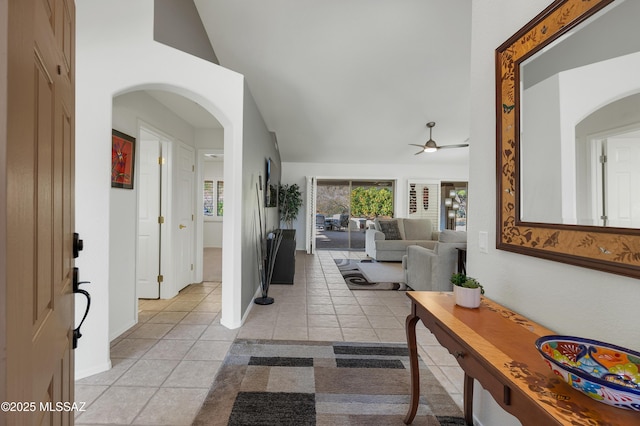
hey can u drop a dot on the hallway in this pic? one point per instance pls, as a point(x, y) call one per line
point(163, 366)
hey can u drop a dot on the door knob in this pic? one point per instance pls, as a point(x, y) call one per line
point(182, 226)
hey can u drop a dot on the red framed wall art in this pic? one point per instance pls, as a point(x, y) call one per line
point(122, 160)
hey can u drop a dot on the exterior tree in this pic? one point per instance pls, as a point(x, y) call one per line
point(332, 199)
point(371, 202)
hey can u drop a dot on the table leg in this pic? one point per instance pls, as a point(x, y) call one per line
point(468, 399)
point(411, 322)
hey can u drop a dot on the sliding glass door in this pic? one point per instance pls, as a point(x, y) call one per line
point(344, 208)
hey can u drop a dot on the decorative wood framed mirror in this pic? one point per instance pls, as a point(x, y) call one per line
point(562, 98)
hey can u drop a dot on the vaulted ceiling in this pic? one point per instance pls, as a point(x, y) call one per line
point(351, 81)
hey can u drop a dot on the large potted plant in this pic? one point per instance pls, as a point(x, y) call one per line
point(466, 290)
point(289, 202)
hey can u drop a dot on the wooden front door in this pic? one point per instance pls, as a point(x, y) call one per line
point(39, 173)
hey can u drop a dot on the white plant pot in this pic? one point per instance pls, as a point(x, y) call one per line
point(467, 297)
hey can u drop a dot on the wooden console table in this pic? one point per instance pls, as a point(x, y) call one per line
point(495, 346)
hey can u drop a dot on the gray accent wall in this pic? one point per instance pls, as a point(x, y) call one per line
point(259, 144)
point(177, 23)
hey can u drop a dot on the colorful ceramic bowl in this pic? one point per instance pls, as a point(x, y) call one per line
point(605, 372)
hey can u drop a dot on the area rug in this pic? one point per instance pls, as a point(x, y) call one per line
point(278, 382)
point(371, 275)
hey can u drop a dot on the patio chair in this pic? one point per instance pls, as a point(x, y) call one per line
point(343, 222)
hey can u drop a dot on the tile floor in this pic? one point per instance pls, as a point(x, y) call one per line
point(164, 365)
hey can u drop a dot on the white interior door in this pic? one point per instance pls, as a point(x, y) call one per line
point(148, 264)
point(310, 242)
point(185, 216)
point(623, 182)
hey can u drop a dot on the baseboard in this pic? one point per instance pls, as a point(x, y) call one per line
point(93, 370)
point(258, 293)
point(118, 333)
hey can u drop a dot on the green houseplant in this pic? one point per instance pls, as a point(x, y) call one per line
point(289, 202)
point(466, 290)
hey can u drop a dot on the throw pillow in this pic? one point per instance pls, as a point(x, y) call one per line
point(417, 229)
point(390, 229)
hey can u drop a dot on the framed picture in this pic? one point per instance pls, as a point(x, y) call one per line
point(122, 160)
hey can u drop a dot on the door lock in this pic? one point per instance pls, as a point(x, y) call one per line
point(78, 245)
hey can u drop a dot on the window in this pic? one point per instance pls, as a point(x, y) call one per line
point(208, 198)
point(220, 197)
point(213, 190)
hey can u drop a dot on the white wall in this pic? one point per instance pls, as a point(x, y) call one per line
point(579, 97)
point(401, 173)
point(109, 63)
point(565, 298)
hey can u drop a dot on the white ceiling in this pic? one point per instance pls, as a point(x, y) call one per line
point(350, 81)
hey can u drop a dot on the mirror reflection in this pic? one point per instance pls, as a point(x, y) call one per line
point(580, 124)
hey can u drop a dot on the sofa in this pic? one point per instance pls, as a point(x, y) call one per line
point(388, 239)
point(430, 269)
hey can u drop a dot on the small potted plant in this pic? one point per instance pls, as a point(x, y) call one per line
point(466, 290)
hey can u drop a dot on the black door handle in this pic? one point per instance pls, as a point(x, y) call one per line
point(77, 289)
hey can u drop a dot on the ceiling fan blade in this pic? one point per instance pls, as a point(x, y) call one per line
point(461, 145)
point(413, 144)
point(419, 152)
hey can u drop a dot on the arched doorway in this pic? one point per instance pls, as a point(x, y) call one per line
point(157, 223)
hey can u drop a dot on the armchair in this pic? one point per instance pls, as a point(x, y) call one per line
point(430, 269)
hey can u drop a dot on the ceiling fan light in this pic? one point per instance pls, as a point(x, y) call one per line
point(430, 146)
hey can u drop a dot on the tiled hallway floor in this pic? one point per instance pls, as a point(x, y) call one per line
point(164, 366)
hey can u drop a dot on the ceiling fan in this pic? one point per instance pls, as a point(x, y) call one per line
point(432, 146)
